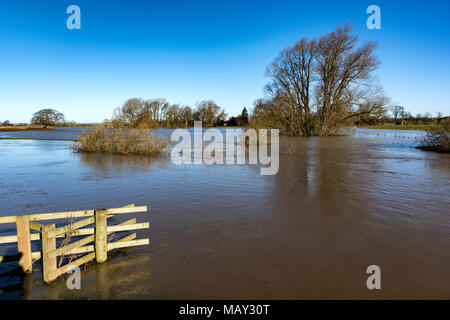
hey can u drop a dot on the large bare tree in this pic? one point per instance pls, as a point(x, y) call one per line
point(323, 83)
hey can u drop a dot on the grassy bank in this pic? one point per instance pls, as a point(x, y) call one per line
point(21, 128)
point(419, 127)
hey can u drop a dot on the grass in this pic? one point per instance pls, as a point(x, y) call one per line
point(121, 141)
point(419, 127)
point(21, 128)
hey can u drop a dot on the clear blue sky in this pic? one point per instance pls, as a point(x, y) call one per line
point(187, 51)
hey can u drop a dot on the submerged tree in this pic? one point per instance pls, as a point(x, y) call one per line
point(321, 84)
point(48, 118)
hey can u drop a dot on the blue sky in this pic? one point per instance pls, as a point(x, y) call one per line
point(188, 51)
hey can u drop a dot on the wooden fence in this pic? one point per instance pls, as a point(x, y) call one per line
point(48, 233)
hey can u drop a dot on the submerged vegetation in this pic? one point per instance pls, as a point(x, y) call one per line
point(321, 85)
point(121, 141)
point(437, 138)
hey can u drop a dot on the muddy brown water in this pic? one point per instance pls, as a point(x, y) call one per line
point(336, 206)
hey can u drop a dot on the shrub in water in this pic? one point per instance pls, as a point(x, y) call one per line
point(121, 141)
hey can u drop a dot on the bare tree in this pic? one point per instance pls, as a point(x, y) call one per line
point(292, 78)
point(207, 112)
point(323, 84)
point(396, 112)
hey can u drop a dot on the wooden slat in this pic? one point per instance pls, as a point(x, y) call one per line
point(71, 227)
point(8, 239)
point(123, 244)
point(69, 247)
point(73, 214)
point(36, 226)
point(61, 215)
point(79, 232)
point(9, 219)
point(135, 226)
point(35, 255)
point(16, 257)
point(84, 249)
point(127, 210)
point(35, 236)
point(73, 264)
point(124, 239)
point(11, 239)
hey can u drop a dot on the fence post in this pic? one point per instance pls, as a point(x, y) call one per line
point(24, 243)
point(101, 245)
point(48, 244)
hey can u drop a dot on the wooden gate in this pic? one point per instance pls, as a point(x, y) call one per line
point(96, 244)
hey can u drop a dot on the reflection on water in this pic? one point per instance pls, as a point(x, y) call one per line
point(125, 276)
point(336, 206)
point(102, 161)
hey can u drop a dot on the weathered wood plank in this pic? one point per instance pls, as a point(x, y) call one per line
point(24, 243)
point(61, 215)
point(123, 244)
point(73, 214)
point(56, 273)
point(63, 250)
point(136, 226)
point(36, 255)
point(36, 226)
point(9, 219)
point(101, 235)
point(48, 245)
point(11, 239)
point(71, 227)
point(84, 249)
point(8, 239)
point(124, 239)
point(127, 210)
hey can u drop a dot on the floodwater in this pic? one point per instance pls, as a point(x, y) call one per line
point(336, 206)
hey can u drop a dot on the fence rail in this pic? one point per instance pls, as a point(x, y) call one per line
point(48, 233)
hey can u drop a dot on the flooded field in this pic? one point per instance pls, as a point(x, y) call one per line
point(336, 206)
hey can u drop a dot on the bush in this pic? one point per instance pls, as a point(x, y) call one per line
point(437, 138)
point(121, 141)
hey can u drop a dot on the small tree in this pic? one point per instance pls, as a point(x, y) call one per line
point(396, 112)
point(48, 117)
point(207, 112)
point(243, 118)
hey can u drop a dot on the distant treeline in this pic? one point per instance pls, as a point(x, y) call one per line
point(155, 113)
point(397, 115)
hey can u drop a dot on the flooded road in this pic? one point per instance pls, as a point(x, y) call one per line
point(336, 206)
